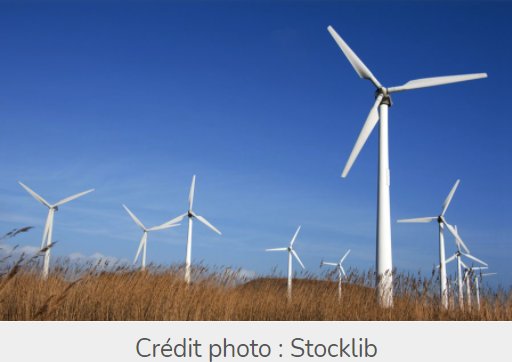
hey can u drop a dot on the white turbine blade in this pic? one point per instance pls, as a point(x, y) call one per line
point(479, 268)
point(70, 198)
point(34, 195)
point(277, 249)
point(328, 263)
point(204, 221)
point(449, 197)
point(435, 81)
point(344, 256)
point(177, 219)
point(134, 218)
point(456, 235)
point(163, 227)
point(369, 125)
point(295, 236)
point(450, 259)
point(357, 64)
point(474, 259)
point(191, 194)
point(142, 242)
point(488, 274)
point(464, 264)
point(298, 259)
point(418, 220)
point(343, 271)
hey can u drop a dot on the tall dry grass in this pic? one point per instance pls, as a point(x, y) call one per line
point(161, 294)
point(88, 292)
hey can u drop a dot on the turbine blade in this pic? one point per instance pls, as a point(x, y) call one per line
point(464, 264)
point(46, 229)
point(142, 242)
point(449, 197)
point(488, 274)
point(435, 81)
point(357, 63)
point(204, 221)
point(344, 256)
point(70, 198)
point(343, 271)
point(418, 220)
point(474, 259)
point(298, 259)
point(328, 263)
point(369, 125)
point(456, 235)
point(277, 249)
point(34, 195)
point(176, 219)
point(450, 259)
point(295, 236)
point(191, 194)
point(134, 218)
point(163, 227)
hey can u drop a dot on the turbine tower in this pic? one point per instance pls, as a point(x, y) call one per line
point(191, 215)
point(442, 223)
point(384, 263)
point(468, 274)
point(341, 271)
point(144, 239)
point(291, 252)
point(46, 244)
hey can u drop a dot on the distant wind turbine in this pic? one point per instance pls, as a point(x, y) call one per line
point(442, 223)
point(468, 274)
point(384, 263)
point(341, 271)
point(46, 244)
point(291, 252)
point(477, 286)
point(144, 239)
point(191, 215)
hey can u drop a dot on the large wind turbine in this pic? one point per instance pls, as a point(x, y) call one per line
point(341, 271)
point(442, 223)
point(191, 215)
point(46, 244)
point(379, 110)
point(291, 252)
point(144, 239)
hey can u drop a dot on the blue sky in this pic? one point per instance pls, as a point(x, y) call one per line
point(258, 101)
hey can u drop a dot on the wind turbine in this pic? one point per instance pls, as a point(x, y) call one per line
point(191, 215)
point(144, 239)
point(477, 286)
point(46, 244)
point(468, 273)
point(384, 263)
point(458, 255)
point(291, 252)
point(341, 271)
point(442, 223)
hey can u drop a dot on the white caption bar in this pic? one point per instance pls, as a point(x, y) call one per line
point(255, 341)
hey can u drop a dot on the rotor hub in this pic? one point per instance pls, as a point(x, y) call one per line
point(386, 98)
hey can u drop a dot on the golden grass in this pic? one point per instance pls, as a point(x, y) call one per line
point(161, 294)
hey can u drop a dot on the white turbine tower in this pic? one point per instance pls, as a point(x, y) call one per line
point(291, 252)
point(384, 263)
point(46, 244)
point(341, 271)
point(442, 223)
point(191, 215)
point(144, 239)
point(477, 286)
point(458, 255)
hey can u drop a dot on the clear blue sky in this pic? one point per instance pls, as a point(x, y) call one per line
point(258, 101)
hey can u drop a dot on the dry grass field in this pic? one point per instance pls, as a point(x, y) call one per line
point(160, 294)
